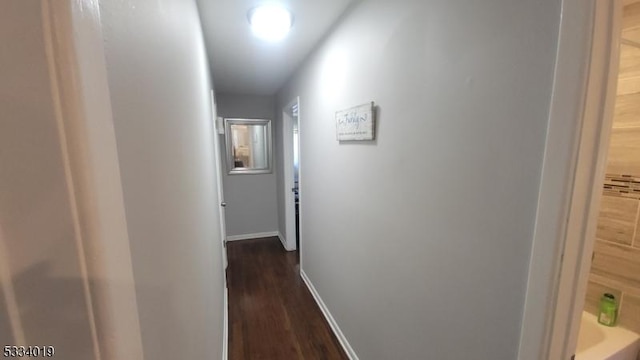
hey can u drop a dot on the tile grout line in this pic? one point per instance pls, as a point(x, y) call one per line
point(622, 296)
point(635, 225)
point(630, 247)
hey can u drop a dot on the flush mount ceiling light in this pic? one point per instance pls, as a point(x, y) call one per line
point(270, 22)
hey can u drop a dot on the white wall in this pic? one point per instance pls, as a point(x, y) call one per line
point(419, 242)
point(158, 79)
point(42, 298)
point(252, 202)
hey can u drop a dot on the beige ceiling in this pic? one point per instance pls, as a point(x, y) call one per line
point(243, 64)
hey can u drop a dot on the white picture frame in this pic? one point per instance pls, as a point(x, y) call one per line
point(356, 123)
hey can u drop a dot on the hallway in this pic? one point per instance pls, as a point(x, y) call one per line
point(154, 156)
point(272, 315)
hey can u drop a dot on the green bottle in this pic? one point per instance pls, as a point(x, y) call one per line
point(608, 310)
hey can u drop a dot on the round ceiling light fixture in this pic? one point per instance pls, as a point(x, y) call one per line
point(270, 22)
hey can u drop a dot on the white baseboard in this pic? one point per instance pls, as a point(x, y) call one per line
point(283, 240)
point(225, 330)
point(252, 236)
point(327, 315)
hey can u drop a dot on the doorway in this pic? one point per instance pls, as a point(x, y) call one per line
point(292, 173)
point(599, 243)
point(612, 295)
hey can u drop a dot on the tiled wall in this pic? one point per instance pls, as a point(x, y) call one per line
point(616, 261)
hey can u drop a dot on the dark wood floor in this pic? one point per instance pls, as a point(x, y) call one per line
point(272, 315)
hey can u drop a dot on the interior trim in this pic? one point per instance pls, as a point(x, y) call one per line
point(253, 236)
point(327, 315)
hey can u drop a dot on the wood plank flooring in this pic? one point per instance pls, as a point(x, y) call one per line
point(272, 315)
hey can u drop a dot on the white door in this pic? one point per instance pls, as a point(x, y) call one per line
point(219, 170)
point(289, 181)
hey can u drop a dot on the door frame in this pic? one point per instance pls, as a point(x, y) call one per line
point(75, 54)
point(589, 178)
point(217, 154)
point(572, 177)
point(289, 198)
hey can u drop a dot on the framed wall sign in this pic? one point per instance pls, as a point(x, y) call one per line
point(356, 123)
